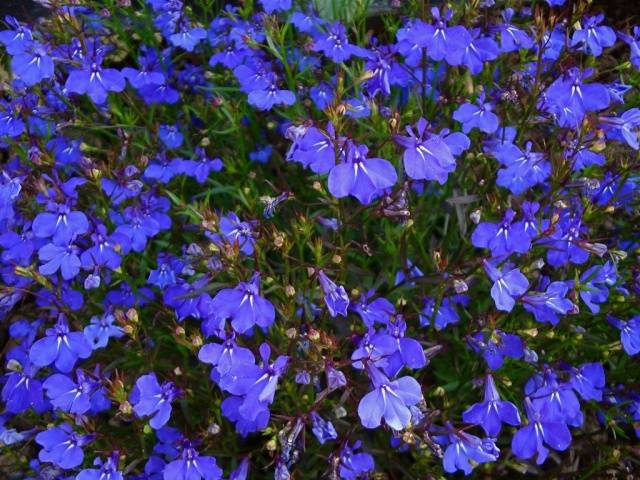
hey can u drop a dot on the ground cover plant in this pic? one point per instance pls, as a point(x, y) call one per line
point(278, 239)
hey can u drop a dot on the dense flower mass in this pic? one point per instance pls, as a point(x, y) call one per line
point(286, 239)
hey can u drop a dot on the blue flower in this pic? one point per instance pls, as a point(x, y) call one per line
point(543, 430)
point(322, 429)
point(335, 44)
point(441, 41)
point(64, 257)
point(335, 296)
point(478, 115)
point(492, 412)
point(593, 37)
point(107, 470)
point(101, 329)
point(502, 238)
point(588, 380)
point(149, 398)
point(595, 283)
point(266, 98)
point(445, 314)
point(17, 38)
point(62, 224)
point(22, 389)
point(378, 310)
point(315, 148)
point(60, 347)
point(546, 306)
point(68, 395)
point(429, 156)
point(629, 333)
point(62, 446)
point(170, 136)
point(464, 451)
point(479, 50)
point(192, 466)
point(362, 177)
point(511, 37)
point(33, 64)
point(272, 6)
point(225, 356)
point(244, 306)
point(507, 285)
point(496, 345)
point(523, 169)
point(389, 400)
point(353, 464)
point(187, 37)
point(94, 80)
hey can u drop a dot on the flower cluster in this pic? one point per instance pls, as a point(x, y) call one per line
point(223, 230)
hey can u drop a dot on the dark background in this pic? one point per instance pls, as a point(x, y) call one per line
point(621, 13)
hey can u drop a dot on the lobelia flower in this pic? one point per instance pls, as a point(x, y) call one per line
point(389, 400)
point(316, 149)
point(491, 413)
point(524, 169)
point(479, 50)
point(335, 45)
point(107, 250)
point(441, 41)
point(632, 40)
point(478, 115)
point(502, 238)
point(101, 329)
point(569, 98)
point(556, 398)
point(236, 232)
point(225, 356)
point(588, 381)
point(376, 311)
point(149, 398)
point(170, 136)
point(629, 333)
point(592, 37)
point(63, 256)
point(322, 429)
point(70, 396)
point(546, 306)
point(429, 156)
point(62, 446)
point(17, 38)
point(496, 345)
point(272, 6)
point(544, 429)
point(360, 176)
point(201, 168)
point(22, 389)
point(595, 283)
point(511, 37)
point(95, 80)
point(384, 70)
point(564, 243)
point(33, 64)
point(409, 352)
point(192, 466)
point(107, 470)
point(62, 224)
point(335, 296)
point(266, 98)
point(353, 464)
point(464, 451)
point(625, 126)
point(60, 346)
point(187, 37)
point(256, 384)
point(244, 306)
point(507, 285)
point(445, 314)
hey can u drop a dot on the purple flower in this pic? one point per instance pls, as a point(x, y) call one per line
point(94, 80)
point(192, 466)
point(428, 156)
point(322, 429)
point(629, 333)
point(360, 176)
point(64, 257)
point(389, 400)
point(492, 412)
point(101, 329)
point(353, 464)
point(335, 44)
point(60, 347)
point(335, 296)
point(464, 451)
point(62, 224)
point(543, 430)
point(244, 306)
point(149, 398)
point(266, 98)
point(502, 238)
point(507, 285)
point(62, 446)
point(170, 136)
point(593, 37)
point(107, 470)
point(33, 64)
point(478, 115)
